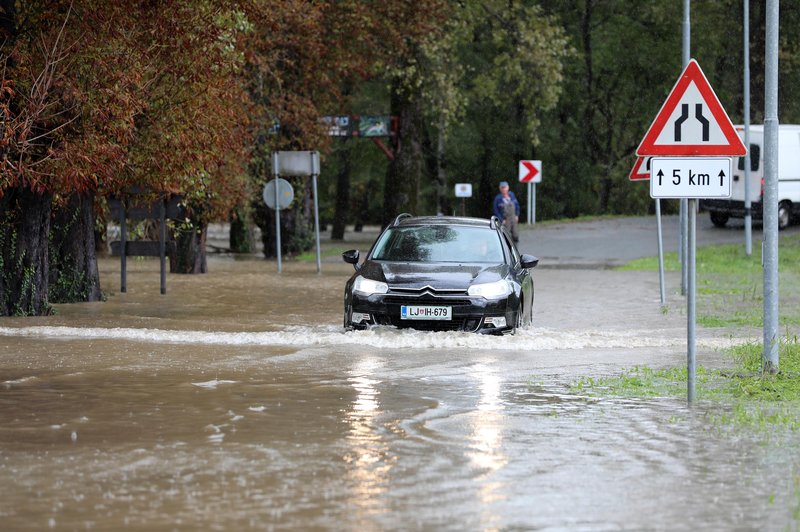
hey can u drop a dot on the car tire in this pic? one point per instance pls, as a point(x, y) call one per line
point(519, 319)
point(719, 219)
point(784, 215)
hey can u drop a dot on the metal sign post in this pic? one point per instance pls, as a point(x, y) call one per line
point(690, 178)
point(770, 202)
point(748, 215)
point(278, 194)
point(530, 203)
point(696, 137)
point(275, 172)
point(298, 163)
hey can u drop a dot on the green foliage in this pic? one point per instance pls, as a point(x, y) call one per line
point(756, 399)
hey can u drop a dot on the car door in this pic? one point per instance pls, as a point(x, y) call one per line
point(521, 275)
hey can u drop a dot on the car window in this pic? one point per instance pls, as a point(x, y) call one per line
point(515, 258)
point(439, 243)
point(755, 157)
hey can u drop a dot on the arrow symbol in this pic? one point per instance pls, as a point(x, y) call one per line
point(532, 171)
point(660, 174)
point(721, 176)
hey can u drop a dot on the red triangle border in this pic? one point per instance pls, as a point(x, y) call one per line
point(692, 73)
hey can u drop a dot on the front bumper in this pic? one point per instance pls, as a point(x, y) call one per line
point(733, 208)
point(469, 313)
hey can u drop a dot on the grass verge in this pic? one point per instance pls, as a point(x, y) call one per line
point(757, 399)
point(730, 284)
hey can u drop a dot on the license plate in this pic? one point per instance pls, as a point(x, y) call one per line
point(417, 312)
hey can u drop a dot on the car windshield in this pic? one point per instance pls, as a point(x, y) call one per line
point(439, 243)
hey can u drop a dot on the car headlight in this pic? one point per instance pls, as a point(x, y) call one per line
point(494, 290)
point(367, 287)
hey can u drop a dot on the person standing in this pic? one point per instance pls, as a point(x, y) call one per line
point(506, 208)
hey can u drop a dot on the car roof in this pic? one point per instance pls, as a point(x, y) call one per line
point(405, 221)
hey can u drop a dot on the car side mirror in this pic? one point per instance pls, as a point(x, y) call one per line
point(529, 261)
point(351, 257)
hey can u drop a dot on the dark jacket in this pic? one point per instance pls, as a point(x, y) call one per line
point(498, 205)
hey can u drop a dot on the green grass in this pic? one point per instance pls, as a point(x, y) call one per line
point(729, 284)
point(756, 399)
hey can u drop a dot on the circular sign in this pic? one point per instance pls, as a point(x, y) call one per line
point(285, 193)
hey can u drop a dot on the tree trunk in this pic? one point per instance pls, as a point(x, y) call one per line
point(190, 253)
point(242, 237)
point(401, 189)
point(342, 210)
point(73, 273)
point(442, 197)
point(25, 224)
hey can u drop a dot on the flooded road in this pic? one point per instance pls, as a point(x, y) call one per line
point(236, 401)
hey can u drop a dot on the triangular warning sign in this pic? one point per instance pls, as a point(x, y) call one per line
point(691, 121)
point(641, 169)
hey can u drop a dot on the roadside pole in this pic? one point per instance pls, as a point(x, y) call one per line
point(530, 203)
point(278, 227)
point(660, 254)
point(691, 303)
point(748, 216)
point(770, 202)
point(533, 204)
point(275, 168)
point(691, 160)
point(686, 54)
point(316, 220)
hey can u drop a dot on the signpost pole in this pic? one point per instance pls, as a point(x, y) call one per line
point(316, 219)
point(685, 57)
point(770, 203)
point(748, 217)
point(278, 226)
point(691, 310)
point(660, 253)
point(277, 212)
point(533, 204)
point(530, 202)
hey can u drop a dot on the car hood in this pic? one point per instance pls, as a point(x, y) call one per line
point(438, 276)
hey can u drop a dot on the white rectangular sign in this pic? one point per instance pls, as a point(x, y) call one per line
point(690, 177)
point(463, 190)
point(295, 163)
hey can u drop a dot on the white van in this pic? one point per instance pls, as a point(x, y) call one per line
point(721, 210)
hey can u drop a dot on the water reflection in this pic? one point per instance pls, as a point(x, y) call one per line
point(487, 425)
point(367, 452)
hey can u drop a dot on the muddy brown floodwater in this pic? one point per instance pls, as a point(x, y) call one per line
point(237, 401)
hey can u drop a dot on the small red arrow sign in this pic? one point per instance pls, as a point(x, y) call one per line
point(528, 170)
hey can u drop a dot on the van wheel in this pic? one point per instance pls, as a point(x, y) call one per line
point(784, 215)
point(719, 219)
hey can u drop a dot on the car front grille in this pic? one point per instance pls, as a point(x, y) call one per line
point(427, 290)
point(425, 300)
point(458, 324)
